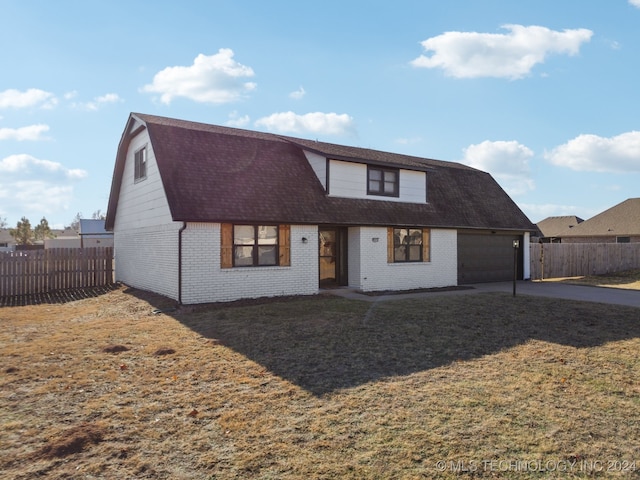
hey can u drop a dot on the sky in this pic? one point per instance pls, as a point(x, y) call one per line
point(542, 95)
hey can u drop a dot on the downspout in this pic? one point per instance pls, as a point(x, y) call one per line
point(182, 229)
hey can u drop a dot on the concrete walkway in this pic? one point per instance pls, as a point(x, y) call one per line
point(613, 296)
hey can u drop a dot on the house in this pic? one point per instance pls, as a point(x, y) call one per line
point(618, 224)
point(93, 234)
point(203, 213)
point(65, 238)
point(551, 229)
point(7, 243)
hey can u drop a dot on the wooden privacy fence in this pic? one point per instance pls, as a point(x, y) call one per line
point(41, 271)
point(553, 260)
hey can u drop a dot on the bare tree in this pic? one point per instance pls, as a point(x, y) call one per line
point(75, 223)
point(98, 215)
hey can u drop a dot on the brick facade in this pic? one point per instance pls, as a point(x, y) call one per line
point(369, 270)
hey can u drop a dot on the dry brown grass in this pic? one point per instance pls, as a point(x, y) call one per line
point(628, 280)
point(319, 387)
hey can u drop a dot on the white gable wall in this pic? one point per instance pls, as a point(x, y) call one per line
point(370, 271)
point(145, 237)
point(204, 281)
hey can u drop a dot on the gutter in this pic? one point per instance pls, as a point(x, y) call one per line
point(182, 229)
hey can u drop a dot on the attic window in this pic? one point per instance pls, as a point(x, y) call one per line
point(383, 181)
point(140, 161)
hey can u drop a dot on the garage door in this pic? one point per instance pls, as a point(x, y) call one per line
point(487, 258)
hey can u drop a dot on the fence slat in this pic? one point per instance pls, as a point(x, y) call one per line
point(554, 260)
point(28, 272)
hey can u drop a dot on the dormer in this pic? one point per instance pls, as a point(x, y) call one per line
point(355, 178)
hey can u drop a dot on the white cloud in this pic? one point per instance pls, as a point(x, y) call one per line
point(32, 133)
point(512, 55)
point(298, 94)
point(214, 79)
point(31, 186)
point(32, 97)
point(23, 165)
point(599, 154)
point(96, 103)
point(635, 3)
point(507, 162)
point(235, 120)
point(316, 123)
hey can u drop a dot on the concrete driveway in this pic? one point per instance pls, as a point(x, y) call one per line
point(613, 296)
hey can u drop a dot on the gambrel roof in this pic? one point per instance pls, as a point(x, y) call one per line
point(220, 174)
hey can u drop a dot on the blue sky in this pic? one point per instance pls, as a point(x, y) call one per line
point(543, 95)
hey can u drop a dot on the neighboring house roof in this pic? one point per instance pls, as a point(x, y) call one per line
point(5, 237)
point(90, 228)
point(220, 174)
point(557, 226)
point(66, 233)
point(622, 219)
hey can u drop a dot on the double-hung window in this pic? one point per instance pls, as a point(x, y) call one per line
point(140, 164)
point(409, 245)
point(383, 181)
point(255, 245)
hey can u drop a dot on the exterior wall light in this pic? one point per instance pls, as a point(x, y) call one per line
point(305, 239)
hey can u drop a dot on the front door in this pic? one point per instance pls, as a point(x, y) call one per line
point(333, 257)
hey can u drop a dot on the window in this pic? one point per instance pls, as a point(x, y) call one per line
point(409, 245)
point(255, 245)
point(140, 161)
point(383, 181)
point(623, 239)
point(249, 245)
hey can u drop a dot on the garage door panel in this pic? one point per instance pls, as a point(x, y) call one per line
point(485, 258)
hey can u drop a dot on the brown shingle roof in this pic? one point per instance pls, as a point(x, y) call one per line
point(557, 226)
point(220, 174)
point(622, 219)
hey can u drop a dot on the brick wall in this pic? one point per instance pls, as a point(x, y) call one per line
point(147, 258)
point(374, 272)
point(204, 281)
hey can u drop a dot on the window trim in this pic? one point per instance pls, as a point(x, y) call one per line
point(138, 174)
point(383, 170)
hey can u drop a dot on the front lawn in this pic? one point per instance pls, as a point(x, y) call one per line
point(483, 385)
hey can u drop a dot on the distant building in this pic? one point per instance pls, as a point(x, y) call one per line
point(552, 229)
point(619, 224)
point(93, 234)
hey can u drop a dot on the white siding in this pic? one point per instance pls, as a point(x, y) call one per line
point(413, 186)
point(142, 203)
point(526, 256)
point(145, 237)
point(372, 272)
point(348, 179)
point(204, 281)
point(319, 165)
